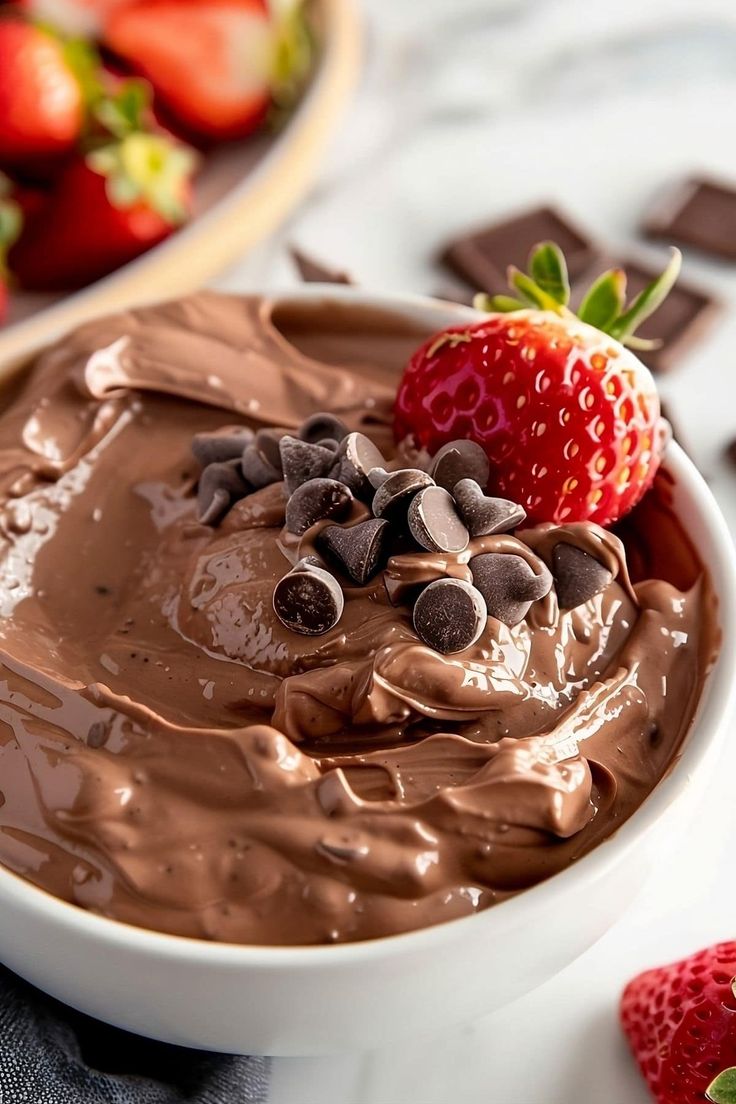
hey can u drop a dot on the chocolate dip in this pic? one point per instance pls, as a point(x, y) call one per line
point(172, 756)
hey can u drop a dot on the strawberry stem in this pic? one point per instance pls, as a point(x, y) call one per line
point(648, 300)
point(546, 287)
point(549, 271)
point(148, 168)
point(722, 1090)
point(503, 304)
point(604, 300)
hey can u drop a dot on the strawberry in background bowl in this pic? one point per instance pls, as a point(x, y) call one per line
point(223, 116)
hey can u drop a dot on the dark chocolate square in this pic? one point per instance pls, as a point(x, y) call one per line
point(482, 256)
point(696, 212)
point(684, 316)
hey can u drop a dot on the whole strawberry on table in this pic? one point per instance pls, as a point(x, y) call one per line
point(680, 1021)
point(99, 129)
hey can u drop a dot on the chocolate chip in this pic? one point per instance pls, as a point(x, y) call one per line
point(578, 575)
point(97, 734)
point(509, 585)
point(730, 451)
point(359, 549)
point(377, 477)
point(357, 456)
point(484, 515)
point(220, 486)
point(268, 443)
point(308, 600)
point(302, 461)
point(322, 425)
point(460, 460)
point(314, 500)
point(449, 615)
point(226, 443)
point(329, 443)
point(392, 498)
point(257, 469)
point(434, 522)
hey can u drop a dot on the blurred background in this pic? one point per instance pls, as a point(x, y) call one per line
point(405, 125)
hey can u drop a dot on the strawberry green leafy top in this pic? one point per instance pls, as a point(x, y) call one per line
point(546, 286)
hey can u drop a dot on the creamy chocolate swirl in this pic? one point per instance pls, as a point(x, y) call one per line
point(172, 756)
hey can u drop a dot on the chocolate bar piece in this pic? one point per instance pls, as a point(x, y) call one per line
point(482, 256)
point(696, 212)
point(313, 271)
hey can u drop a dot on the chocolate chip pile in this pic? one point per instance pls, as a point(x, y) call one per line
point(325, 469)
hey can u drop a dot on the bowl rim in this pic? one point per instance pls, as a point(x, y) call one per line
point(702, 741)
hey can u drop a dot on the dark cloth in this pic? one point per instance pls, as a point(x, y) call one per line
point(50, 1054)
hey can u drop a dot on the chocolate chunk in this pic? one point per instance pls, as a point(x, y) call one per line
point(302, 461)
point(483, 256)
point(220, 486)
point(329, 443)
point(257, 469)
point(322, 425)
point(434, 522)
point(509, 585)
point(697, 212)
point(357, 456)
point(308, 600)
point(391, 500)
point(484, 515)
point(449, 615)
point(578, 575)
point(226, 443)
point(360, 550)
point(678, 322)
point(460, 460)
point(313, 271)
point(730, 451)
point(317, 499)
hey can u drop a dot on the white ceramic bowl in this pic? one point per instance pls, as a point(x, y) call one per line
point(311, 1000)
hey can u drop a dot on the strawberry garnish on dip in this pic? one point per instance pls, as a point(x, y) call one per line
point(566, 412)
point(680, 1021)
point(109, 205)
point(216, 66)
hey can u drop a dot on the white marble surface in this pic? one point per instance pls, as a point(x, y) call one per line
point(467, 110)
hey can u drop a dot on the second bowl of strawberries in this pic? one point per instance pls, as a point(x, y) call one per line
point(102, 130)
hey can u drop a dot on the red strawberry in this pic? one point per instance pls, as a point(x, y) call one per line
point(41, 101)
point(210, 63)
point(569, 417)
point(106, 209)
point(681, 1025)
point(73, 17)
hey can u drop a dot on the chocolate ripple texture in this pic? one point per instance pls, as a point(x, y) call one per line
point(173, 757)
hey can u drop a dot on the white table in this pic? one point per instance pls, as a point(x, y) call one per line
point(467, 110)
